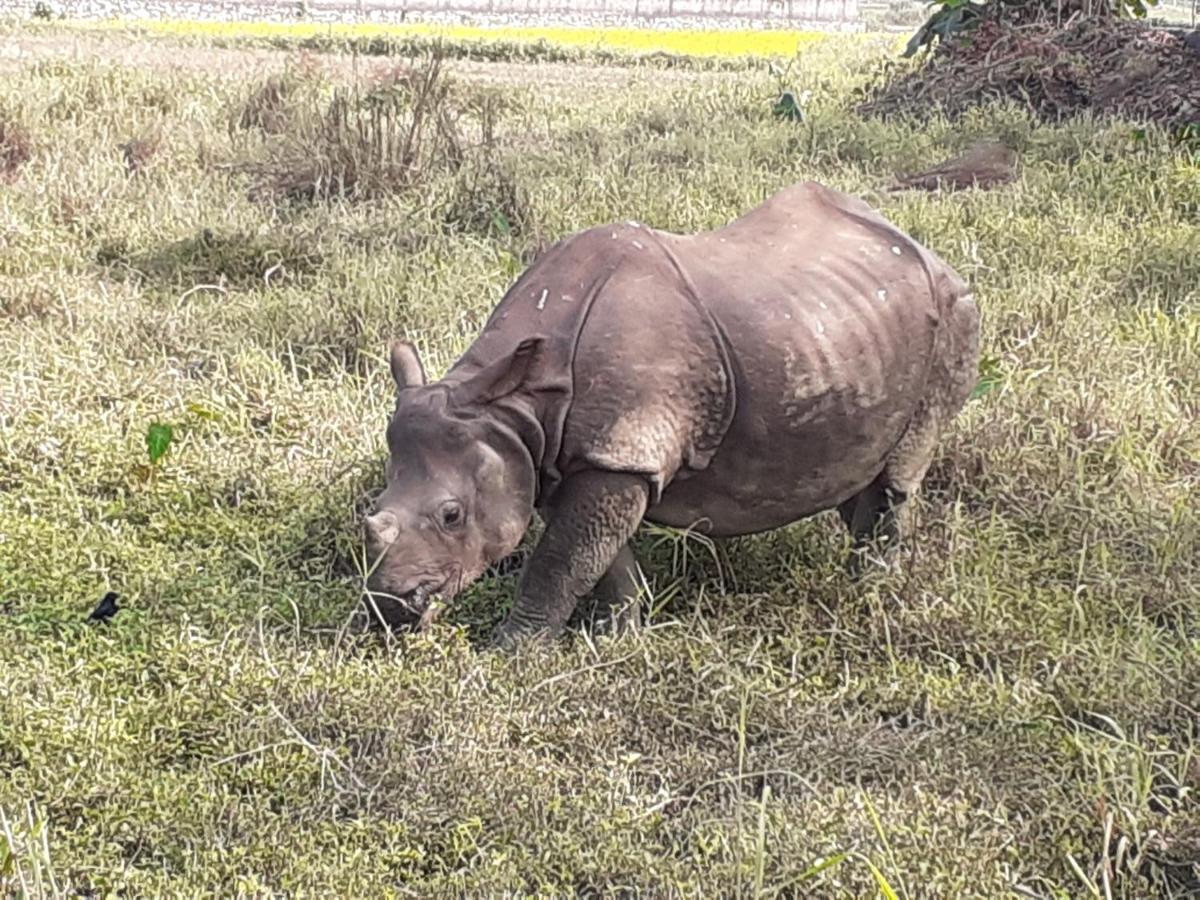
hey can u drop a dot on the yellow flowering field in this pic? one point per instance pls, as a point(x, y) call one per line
point(706, 42)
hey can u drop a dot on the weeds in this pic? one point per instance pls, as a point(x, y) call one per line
point(402, 130)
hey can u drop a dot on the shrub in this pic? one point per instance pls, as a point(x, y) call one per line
point(365, 145)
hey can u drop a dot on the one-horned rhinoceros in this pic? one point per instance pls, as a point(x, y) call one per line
point(801, 358)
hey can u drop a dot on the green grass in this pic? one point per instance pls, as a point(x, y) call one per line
point(1014, 708)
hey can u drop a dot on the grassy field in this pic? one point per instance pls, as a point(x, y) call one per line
point(1014, 711)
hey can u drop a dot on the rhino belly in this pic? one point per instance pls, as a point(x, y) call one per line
point(748, 489)
point(814, 425)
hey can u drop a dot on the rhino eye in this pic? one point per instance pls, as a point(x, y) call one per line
point(452, 515)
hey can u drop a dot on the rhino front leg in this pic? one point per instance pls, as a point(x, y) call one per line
point(617, 597)
point(590, 524)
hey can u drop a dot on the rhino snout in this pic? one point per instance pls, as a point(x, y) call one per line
point(407, 609)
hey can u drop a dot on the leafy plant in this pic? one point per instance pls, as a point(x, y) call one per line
point(158, 440)
point(952, 17)
point(990, 377)
point(788, 107)
point(955, 17)
point(1135, 8)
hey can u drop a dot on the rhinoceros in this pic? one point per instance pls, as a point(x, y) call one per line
point(803, 357)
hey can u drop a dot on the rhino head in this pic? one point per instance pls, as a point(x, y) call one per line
point(460, 485)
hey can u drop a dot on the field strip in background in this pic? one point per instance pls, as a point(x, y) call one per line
point(708, 42)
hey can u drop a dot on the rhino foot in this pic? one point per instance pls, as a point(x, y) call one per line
point(867, 557)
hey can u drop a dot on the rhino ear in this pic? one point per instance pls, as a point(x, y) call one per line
point(503, 377)
point(406, 366)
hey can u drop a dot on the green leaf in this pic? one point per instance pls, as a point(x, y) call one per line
point(951, 17)
point(501, 224)
point(923, 36)
point(788, 107)
point(821, 867)
point(990, 377)
point(8, 857)
point(158, 440)
point(512, 263)
point(886, 889)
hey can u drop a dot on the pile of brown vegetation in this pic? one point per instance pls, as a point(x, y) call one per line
point(1106, 65)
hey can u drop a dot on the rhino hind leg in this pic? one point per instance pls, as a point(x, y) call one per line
point(584, 546)
point(879, 517)
point(881, 513)
point(873, 516)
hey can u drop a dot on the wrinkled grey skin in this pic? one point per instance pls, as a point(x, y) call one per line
point(805, 357)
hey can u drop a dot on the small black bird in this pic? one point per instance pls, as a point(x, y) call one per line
point(106, 608)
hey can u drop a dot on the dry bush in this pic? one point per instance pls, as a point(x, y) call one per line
point(362, 145)
point(16, 148)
